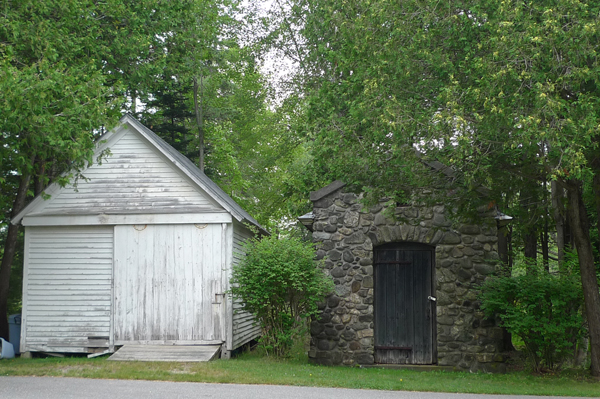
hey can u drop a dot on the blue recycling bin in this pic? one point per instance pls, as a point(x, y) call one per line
point(14, 332)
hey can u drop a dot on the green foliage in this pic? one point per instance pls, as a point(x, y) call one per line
point(69, 68)
point(281, 284)
point(472, 85)
point(15, 292)
point(505, 93)
point(248, 144)
point(542, 309)
point(66, 69)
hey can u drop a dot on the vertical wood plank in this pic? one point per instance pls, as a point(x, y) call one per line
point(184, 293)
point(407, 330)
point(169, 282)
point(223, 314)
point(419, 315)
point(208, 243)
point(111, 335)
point(403, 322)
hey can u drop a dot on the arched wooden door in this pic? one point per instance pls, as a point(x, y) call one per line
point(404, 304)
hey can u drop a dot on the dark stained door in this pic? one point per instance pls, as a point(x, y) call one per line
point(404, 306)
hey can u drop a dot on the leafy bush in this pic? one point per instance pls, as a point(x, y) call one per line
point(543, 309)
point(281, 284)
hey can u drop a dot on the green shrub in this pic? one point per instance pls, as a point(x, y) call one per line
point(281, 284)
point(542, 309)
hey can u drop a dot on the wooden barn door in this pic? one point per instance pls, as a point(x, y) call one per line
point(168, 283)
point(404, 304)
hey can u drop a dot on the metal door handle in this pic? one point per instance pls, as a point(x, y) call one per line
point(432, 298)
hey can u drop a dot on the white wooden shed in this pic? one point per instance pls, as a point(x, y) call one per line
point(139, 253)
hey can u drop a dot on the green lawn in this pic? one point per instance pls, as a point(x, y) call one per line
point(250, 369)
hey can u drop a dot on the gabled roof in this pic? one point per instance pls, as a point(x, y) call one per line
point(180, 162)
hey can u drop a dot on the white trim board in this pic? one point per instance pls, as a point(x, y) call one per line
point(88, 220)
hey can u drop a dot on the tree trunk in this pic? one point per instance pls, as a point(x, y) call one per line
point(530, 250)
point(38, 180)
point(568, 233)
point(558, 212)
point(10, 247)
point(529, 229)
point(545, 249)
point(503, 253)
point(133, 94)
point(199, 120)
point(581, 233)
point(596, 185)
point(510, 248)
point(544, 239)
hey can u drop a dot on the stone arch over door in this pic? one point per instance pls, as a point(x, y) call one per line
point(404, 304)
point(406, 233)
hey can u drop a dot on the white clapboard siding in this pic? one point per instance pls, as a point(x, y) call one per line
point(67, 290)
point(134, 179)
point(245, 327)
point(166, 281)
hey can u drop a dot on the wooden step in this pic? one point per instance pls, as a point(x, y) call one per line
point(167, 353)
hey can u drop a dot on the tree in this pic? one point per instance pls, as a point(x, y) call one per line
point(247, 141)
point(65, 68)
point(68, 69)
point(540, 76)
point(197, 54)
point(504, 92)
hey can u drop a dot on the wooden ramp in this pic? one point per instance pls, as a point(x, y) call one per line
point(167, 353)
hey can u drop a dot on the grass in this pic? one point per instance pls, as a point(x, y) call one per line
point(253, 369)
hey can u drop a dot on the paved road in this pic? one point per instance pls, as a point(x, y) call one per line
point(67, 388)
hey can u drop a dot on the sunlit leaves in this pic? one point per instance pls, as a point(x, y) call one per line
point(498, 89)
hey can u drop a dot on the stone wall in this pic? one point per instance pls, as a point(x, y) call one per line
point(346, 236)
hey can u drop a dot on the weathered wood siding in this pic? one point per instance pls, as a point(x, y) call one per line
point(134, 179)
point(245, 327)
point(168, 284)
point(67, 288)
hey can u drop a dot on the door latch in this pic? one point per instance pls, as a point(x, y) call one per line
point(432, 298)
point(218, 299)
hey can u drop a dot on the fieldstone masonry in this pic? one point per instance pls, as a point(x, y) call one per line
point(346, 235)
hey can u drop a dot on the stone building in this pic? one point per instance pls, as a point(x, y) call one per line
point(405, 292)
